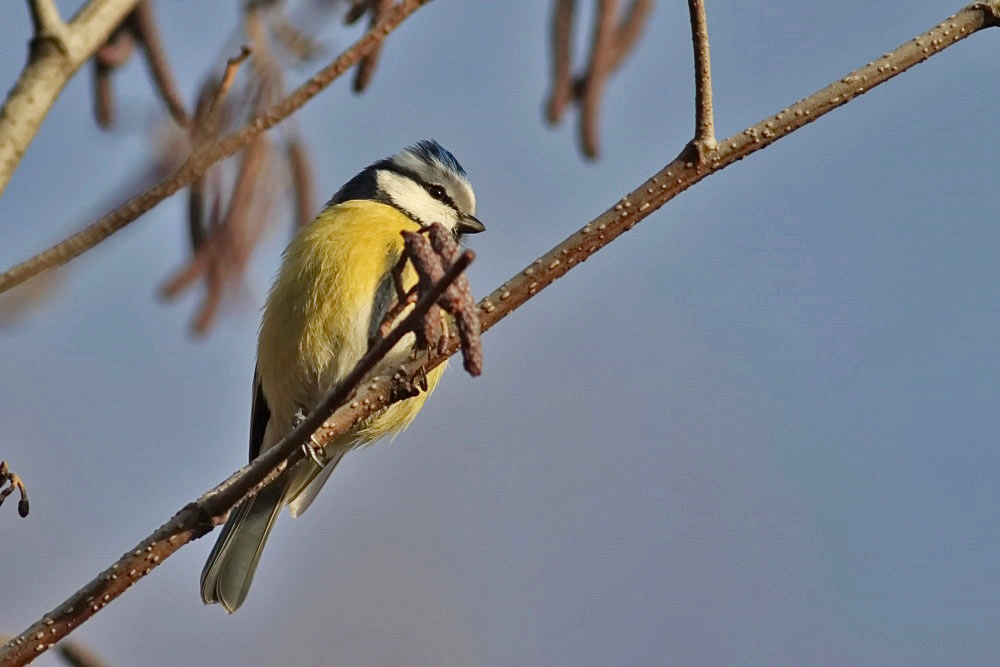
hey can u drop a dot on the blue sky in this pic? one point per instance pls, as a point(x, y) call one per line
point(758, 429)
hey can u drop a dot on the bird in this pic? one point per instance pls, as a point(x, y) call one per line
point(333, 289)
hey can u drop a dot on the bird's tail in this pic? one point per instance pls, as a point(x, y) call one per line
point(230, 567)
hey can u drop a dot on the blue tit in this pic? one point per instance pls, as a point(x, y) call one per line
point(332, 292)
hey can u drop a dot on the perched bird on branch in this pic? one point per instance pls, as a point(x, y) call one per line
point(333, 291)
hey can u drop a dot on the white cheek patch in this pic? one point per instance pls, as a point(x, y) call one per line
point(413, 198)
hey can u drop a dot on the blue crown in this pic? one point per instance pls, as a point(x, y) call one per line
point(431, 151)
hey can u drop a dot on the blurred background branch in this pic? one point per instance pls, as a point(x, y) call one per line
point(56, 52)
point(201, 158)
point(139, 27)
point(232, 204)
point(613, 39)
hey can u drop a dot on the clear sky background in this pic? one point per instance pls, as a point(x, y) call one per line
point(759, 429)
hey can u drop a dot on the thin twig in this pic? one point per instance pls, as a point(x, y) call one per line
point(374, 393)
point(211, 114)
point(203, 158)
point(199, 517)
point(704, 133)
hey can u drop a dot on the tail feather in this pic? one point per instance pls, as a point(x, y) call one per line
point(230, 567)
point(301, 497)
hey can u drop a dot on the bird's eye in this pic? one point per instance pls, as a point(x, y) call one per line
point(437, 192)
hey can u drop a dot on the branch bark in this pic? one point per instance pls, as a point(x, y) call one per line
point(704, 118)
point(46, 19)
point(375, 392)
point(203, 158)
point(57, 51)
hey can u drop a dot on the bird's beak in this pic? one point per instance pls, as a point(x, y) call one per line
point(470, 224)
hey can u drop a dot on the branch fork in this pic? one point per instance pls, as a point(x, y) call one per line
point(704, 134)
point(48, 25)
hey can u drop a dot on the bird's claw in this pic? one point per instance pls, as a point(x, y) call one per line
point(315, 451)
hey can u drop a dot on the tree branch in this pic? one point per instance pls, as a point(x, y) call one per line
point(199, 517)
point(379, 391)
point(46, 20)
point(682, 173)
point(56, 52)
point(704, 133)
point(203, 158)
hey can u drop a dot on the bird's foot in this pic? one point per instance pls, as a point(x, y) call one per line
point(313, 449)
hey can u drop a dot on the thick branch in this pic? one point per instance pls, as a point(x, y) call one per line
point(57, 51)
point(376, 392)
point(704, 132)
point(203, 158)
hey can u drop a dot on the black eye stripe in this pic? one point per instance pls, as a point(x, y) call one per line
point(444, 198)
point(415, 177)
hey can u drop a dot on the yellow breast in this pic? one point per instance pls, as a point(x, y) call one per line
point(318, 313)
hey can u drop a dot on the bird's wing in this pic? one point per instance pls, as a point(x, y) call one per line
point(260, 414)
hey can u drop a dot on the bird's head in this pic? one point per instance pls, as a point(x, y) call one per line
point(425, 182)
